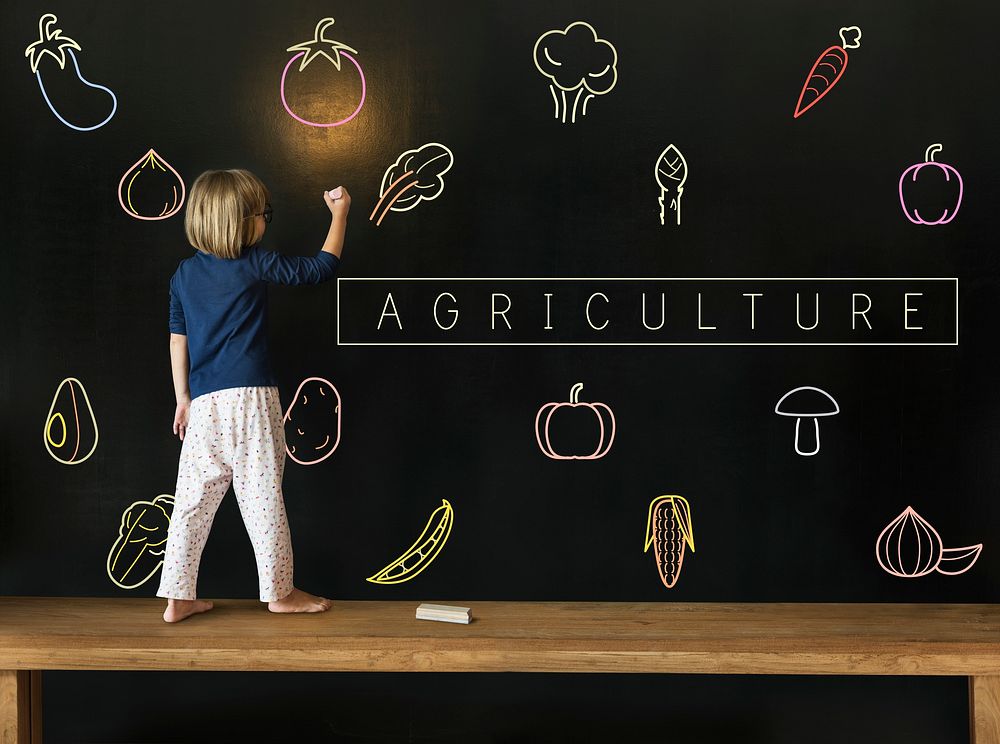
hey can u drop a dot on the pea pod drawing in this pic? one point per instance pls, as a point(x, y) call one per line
point(51, 42)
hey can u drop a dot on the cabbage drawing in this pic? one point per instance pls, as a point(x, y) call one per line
point(576, 61)
point(416, 175)
point(138, 551)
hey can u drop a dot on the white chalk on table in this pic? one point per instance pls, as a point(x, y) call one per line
point(444, 613)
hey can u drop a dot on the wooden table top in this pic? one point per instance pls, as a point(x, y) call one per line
point(666, 637)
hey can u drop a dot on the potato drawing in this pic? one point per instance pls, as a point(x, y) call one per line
point(142, 540)
point(312, 422)
point(70, 433)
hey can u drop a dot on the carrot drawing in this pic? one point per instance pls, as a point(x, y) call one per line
point(827, 70)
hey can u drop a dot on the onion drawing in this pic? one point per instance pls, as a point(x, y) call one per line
point(575, 59)
point(148, 184)
point(416, 175)
point(910, 547)
point(320, 46)
point(51, 42)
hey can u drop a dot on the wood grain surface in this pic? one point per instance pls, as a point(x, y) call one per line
point(703, 638)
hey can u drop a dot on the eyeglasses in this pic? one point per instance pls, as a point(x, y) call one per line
point(266, 214)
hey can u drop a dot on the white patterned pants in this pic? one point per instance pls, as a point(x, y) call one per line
point(233, 436)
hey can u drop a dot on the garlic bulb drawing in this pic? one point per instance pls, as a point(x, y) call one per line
point(910, 547)
point(151, 189)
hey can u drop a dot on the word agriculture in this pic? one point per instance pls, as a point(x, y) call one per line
point(648, 312)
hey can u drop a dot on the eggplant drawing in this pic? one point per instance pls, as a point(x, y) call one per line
point(52, 43)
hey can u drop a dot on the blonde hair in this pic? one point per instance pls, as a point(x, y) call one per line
point(219, 217)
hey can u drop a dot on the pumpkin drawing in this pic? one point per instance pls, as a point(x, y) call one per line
point(942, 214)
point(605, 422)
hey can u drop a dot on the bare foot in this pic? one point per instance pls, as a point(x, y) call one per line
point(178, 609)
point(300, 601)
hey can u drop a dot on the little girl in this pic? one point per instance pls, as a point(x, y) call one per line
point(229, 414)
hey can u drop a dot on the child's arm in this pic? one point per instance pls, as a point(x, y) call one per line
point(339, 208)
point(179, 367)
point(279, 269)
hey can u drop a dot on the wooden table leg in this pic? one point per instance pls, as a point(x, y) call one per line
point(984, 710)
point(20, 707)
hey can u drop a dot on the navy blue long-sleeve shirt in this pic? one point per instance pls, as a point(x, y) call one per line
point(220, 304)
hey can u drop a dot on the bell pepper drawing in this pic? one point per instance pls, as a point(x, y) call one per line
point(53, 44)
point(331, 51)
point(827, 70)
point(930, 165)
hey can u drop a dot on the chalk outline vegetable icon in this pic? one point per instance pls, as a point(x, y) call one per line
point(671, 166)
point(337, 410)
point(668, 539)
point(426, 547)
point(928, 551)
point(835, 58)
point(946, 216)
point(588, 81)
point(574, 401)
point(149, 548)
point(36, 51)
point(320, 46)
point(154, 160)
point(778, 409)
point(50, 419)
point(426, 186)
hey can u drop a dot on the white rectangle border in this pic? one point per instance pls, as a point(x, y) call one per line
point(651, 279)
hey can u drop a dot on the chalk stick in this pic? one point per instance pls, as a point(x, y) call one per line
point(443, 613)
point(335, 193)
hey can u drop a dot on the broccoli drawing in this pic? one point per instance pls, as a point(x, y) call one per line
point(575, 59)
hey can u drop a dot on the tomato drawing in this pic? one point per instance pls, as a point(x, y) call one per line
point(332, 51)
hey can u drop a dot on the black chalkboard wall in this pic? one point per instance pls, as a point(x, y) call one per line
point(766, 195)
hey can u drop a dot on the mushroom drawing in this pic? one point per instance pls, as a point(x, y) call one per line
point(807, 403)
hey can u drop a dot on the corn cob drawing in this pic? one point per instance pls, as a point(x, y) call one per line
point(668, 528)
